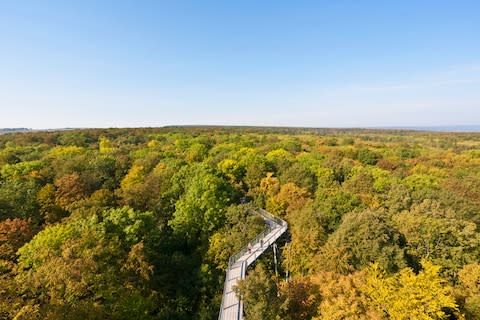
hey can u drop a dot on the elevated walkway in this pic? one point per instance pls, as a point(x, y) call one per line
point(232, 306)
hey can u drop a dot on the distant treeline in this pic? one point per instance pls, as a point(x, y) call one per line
point(7, 130)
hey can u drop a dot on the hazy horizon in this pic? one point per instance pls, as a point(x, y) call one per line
point(446, 128)
point(308, 64)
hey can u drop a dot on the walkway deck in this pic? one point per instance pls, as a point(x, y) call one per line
point(232, 306)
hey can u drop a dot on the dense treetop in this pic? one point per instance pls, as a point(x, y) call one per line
point(139, 223)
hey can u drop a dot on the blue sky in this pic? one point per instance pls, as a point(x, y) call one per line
point(294, 63)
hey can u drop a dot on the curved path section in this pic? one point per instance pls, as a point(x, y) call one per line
point(232, 306)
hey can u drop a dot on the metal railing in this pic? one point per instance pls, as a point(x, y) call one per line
point(272, 224)
point(267, 216)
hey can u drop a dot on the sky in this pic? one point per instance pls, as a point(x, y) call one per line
point(272, 63)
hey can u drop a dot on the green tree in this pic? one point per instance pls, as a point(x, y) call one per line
point(51, 212)
point(332, 205)
point(448, 242)
point(259, 294)
point(300, 176)
point(256, 168)
point(367, 156)
point(242, 225)
point(18, 199)
point(365, 237)
point(201, 210)
point(89, 260)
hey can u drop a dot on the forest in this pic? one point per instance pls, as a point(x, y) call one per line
point(140, 223)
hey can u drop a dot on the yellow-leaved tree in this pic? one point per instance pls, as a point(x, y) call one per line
point(469, 289)
point(406, 295)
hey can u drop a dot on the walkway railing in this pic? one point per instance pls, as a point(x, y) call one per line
point(232, 306)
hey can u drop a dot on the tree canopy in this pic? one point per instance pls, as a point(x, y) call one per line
point(139, 223)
